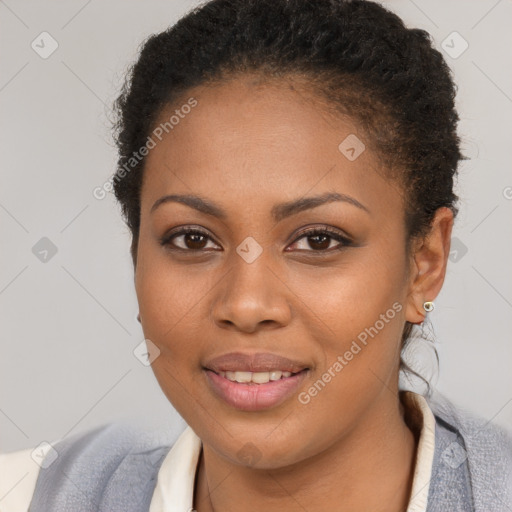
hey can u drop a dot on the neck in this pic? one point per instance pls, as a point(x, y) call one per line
point(369, 469)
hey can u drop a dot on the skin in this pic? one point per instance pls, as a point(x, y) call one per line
point(246, 146)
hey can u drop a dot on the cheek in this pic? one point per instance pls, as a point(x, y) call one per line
point(167, 303)
point(356, 313)
point(343, 299)
point(165, 300)
point(165, 290)
point(358, 356)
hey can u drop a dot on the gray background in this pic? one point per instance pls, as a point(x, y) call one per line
point(68, 325)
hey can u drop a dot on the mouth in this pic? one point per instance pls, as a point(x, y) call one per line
point(243, 377)
point(240, 362)
point(254, 382)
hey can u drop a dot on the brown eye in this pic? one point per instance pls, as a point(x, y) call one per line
point(189, 240)
point(320, 240)
point(194, 241)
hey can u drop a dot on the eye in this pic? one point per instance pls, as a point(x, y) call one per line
point(192, 239)
point(319, 239)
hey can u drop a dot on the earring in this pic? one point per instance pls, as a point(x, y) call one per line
point(428, 306)
point(138, 318)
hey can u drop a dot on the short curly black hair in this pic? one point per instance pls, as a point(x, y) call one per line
point(355, 54)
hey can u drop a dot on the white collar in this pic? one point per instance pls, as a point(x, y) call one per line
point(174, 491)
point(425, 452)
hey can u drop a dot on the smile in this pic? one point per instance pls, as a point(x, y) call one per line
point(255, 377)
point(254, 391)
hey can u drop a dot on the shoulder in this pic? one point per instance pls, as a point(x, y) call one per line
point(81, 469)
point(18, 475)
point(481, 435)
point(473, 451)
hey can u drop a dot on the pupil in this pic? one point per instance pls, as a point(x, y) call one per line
point(321, 245)
point(194, 238)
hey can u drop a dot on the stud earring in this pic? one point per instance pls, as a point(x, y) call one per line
point(428, 306)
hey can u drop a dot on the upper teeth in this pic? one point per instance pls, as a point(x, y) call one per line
point(256, 377)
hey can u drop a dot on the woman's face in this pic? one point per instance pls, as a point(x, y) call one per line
point(256, 284)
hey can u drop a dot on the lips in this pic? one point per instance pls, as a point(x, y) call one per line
point(254, 363)
point(254, 382)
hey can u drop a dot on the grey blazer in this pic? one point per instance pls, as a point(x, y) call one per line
point(114, 467)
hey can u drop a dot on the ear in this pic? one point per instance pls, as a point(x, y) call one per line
point(428, 265)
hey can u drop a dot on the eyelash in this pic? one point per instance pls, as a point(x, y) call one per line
point(345, 241)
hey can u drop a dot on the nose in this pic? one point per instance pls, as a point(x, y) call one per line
point(252, 296)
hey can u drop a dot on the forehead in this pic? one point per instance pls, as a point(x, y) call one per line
point(247, 138)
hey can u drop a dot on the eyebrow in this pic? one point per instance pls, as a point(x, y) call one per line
point(279, 211)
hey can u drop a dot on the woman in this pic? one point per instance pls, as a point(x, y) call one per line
point(286, 170)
